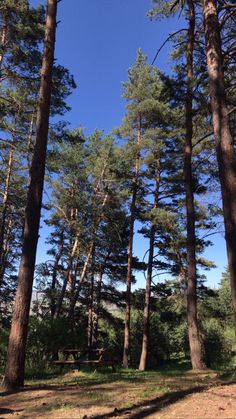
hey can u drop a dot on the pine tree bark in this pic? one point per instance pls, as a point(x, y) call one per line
point(193, 329)
point(15, 366)
point(223, 138)
point(126, 350)
point(146, 313)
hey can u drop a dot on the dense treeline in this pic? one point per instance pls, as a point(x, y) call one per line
point(163, 170)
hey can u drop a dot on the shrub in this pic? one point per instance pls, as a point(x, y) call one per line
point(217, 347)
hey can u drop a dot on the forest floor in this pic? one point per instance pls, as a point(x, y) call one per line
point(125, 394)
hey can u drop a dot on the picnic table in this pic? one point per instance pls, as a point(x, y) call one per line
point(77, 356)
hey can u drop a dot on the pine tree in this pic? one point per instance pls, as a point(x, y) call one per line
point(19, 91)
point(14, 373)
point(193, 93)
point(223, 138)
point(193, 328)
point(141, 91)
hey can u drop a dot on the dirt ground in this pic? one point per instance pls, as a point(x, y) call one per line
point(136, 396)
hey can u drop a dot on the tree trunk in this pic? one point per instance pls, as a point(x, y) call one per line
point(4, 212)
point(54, 275)
point(7, 244)
point(67, 276)
point(193, 329)
point(88, 257)
point(97, 304)
point(30, 140)
point(15, 366)
point(126, 349)
point(223, 138)
point(73, 250)
point(96, 309)
point(81, 280)
point(4, 36)
point(91, 305)
point(146, 313)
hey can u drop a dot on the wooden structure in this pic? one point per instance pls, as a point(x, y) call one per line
point(71, 356)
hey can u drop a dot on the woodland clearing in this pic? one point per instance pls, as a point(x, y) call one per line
point(124, 394)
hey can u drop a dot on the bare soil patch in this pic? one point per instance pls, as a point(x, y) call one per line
point(124, 394)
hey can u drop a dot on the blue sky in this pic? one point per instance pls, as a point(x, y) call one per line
point(98, 40)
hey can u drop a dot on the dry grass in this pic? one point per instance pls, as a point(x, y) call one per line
point(125, 394)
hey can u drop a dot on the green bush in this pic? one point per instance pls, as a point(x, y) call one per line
point(46, 337)
point(217, 346)
point(4, 334)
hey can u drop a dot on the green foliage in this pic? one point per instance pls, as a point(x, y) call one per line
point(168, 329)
point(217, 347)
point(46, 338)
point(22, 32)
point(90, 182)
point(4, 334)
point(162, 8)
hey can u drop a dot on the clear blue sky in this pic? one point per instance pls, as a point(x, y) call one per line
point(98, 40)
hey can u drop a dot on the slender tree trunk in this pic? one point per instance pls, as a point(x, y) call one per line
point(7, 244)
point(146, 313)
point(223, 138)
point(15, 366)
point(54, 275)
point(91, 304)
point(73, 250)
point(30, 140)
point(96, 309)
point(81, 280)
point(74, 276)
point(88, 257)
point(96, 304)
point(67, 276)
point(4, 36)
point(193, 329)
point(90, 314)
point(126, 350)
point(4, 211)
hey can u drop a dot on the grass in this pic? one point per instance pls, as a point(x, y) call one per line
point(154, 381)
point(104, 390)
point(151, 391)
point(42, 374)
point(62, 407)
point(105, 375)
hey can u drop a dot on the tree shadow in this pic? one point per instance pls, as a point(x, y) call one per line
point(141, 410)
point(5, 411)
point(135, 411)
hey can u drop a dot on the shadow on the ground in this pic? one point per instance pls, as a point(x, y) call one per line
point(198, 383)
point(141, 410)
point(151, 406)
point(91, 380)
point(5, 411)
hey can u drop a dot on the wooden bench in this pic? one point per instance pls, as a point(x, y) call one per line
point(95, 357)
